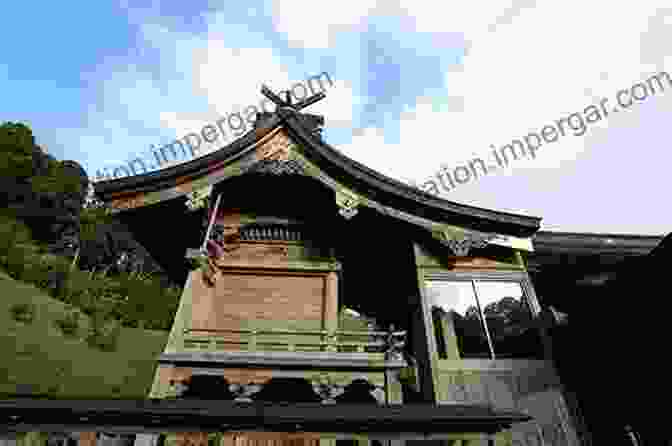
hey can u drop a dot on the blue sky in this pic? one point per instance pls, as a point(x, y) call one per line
point(417, 86)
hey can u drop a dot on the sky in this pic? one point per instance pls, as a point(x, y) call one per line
point(417, 85)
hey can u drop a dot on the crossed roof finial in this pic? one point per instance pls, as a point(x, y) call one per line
point(287, 102)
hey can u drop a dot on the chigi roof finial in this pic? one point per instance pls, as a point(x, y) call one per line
point(312, 122)
point(287, 102)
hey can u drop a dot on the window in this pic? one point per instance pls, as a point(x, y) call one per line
point(483, 319)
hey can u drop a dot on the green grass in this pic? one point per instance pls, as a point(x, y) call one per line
point(37, 358)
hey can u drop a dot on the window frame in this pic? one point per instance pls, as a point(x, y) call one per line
point(519, 277)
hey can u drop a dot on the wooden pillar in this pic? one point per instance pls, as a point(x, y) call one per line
point(424, 343)
point(87, 439)
point(228, 439)
point(331, 304)
point(171, 439)
point(449, 336)
point(142, 439)
point(33, 439)
point(191, 439)
point(393, 391)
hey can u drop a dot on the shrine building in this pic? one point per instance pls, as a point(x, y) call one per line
point(277, 233)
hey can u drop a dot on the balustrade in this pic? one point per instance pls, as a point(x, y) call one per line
point(390, 342)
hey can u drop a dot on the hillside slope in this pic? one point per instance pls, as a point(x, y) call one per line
point(37, 358)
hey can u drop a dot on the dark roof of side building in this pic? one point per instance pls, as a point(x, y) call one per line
point(583, 243)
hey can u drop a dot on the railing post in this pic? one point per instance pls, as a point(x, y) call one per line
point(332, 340)
point(252, 344)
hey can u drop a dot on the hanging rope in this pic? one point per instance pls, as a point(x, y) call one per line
point(210, 269)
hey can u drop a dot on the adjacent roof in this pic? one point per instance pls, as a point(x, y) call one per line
point(203, 415)
point(360, 178)
point(594, 244)
point(564, 263)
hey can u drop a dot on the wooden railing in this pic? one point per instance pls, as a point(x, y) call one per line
point(311, 340)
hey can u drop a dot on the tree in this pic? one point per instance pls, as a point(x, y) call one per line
point(17, 146)
point(36, 188)
point(507, 316)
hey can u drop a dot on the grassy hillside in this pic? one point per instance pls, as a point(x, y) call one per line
point(37, 358)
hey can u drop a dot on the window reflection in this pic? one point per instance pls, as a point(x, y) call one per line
point(509, 320)
point(457, 306)
point(458, 323)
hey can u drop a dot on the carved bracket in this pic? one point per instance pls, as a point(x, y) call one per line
point(462, 246)
point(347, 202)
point(394, 342)
point(199, 198)
point(322, 387)
point(333, 391)
point(244, 392)
point(327, 388)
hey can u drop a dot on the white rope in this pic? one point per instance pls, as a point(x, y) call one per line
point(212, 221)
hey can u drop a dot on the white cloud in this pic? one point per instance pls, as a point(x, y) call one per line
point(527, 65)
point(313, 25)
point(227, 88)
point(337, 107)
point(472, 19)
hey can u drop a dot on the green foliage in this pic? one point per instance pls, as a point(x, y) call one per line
point(56, 180)
point(134, 299)
point(104, 332)
point(45, 271)
point(69, 323)
point(16, 151)
point(14, 261)
point(23, 312)
point(84, 291)
point(29, 176)
point(12, 232)
point(26, 260)
point(90, 219)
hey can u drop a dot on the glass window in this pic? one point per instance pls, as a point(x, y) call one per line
point(513, 332)
point(487, 319)
point(457, 306)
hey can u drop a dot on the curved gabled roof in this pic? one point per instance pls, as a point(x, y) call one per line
point(363, 180)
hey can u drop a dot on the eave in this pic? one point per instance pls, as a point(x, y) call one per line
point(363, 180)
point(594, 244)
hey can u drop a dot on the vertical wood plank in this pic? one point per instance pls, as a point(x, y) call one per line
point(330, 323)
